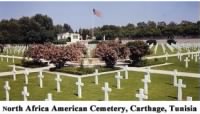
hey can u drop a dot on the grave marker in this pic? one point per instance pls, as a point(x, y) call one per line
point(14, 72)
point(126, 71)
point(175, 77)
point(118, 78)
point(96, 77)
point(106, 90)
point(196, 57)
point(186, 62)
point(13, 59)
point(146, 81)
point(189, 98)
point(49, 97)
point(40, 76)
point(141, 96)
point(7, 89)
point(166, 56)
point(25, 93)
point(180, 85)
point(58, 80)
point(79, 84)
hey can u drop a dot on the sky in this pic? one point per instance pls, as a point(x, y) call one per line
point(80, 15)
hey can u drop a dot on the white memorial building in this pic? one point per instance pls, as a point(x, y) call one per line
point(72, 37)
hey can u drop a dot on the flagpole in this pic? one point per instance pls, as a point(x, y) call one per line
point(92, 26)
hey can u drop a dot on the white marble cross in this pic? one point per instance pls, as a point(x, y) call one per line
point(178, 54)
point(25, 93)
point(118, 78)
point(126, 71)
point(7, 58)
point(7, 89)
point(148, 73)
point(26, 73)
point(180, 85)
point(186, 62)
point(180, 57)
point(192, 56)
point(40, 76)
point(49, 97)
point(175, 73)
point(96, 77)
point(141, 96)
point(13, 59)
point(14, 73)
point(189, 98)
point(58, 80)
point(166, 56)
point(196, 57)
point(106, 90)
point(79, 84)
point(146, 81)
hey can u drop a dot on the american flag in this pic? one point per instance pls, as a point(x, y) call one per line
point(97, 13)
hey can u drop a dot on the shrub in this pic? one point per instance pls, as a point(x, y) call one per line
point(56, 55)
point(1, 48)
point(138, 49)
point(171, 41)
point(107, 54)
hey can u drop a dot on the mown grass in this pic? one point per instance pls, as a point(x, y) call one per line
point(160, 88)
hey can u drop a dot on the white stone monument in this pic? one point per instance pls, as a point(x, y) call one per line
point(189, 98)
point(7, 58)
point(13, 59)
point(7, 89)
point(141, 96)
point(196, 57)
point(49, 97)
point(26, 73)
point(79, 84)
point(186, 62)
point(180, 85)
point(118, 78)
point(25, 93)
point(126, 71)
point(146, 81)
point(40, 76)
point(96, 77)
point(166, 56)
point(58, 80)
point(106, 90)
point(14, 72)
point(175, 77)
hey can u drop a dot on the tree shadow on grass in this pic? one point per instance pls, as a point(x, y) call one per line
point(168, 83)
point(172, 97)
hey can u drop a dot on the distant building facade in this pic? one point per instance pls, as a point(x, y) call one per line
point(71, 37)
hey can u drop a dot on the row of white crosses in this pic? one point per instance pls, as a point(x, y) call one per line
point(155, 49)
point(7, 58)
point(163, 48)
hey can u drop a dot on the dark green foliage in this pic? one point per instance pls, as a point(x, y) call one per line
point(149, 62)
point(154, 42)
point(149, 29)
point(32, 64)
point(171, 41)
point(138, 49)
point(1, 48)
point(110, 51)
point(83, 70)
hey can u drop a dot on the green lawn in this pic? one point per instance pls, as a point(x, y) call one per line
point(160, 88)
